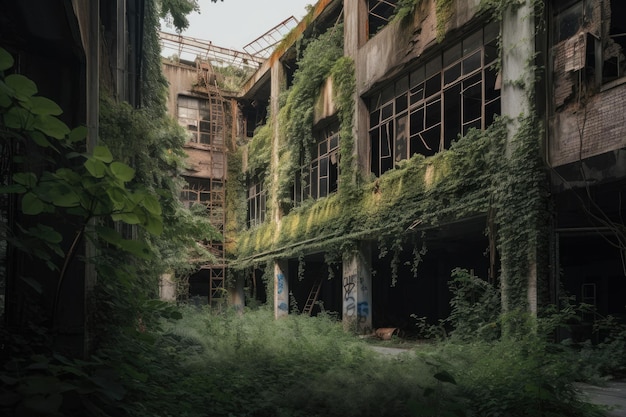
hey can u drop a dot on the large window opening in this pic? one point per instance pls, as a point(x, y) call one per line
point(319, 178)
point(380, 12)
point(257, 199)
point(423, 111)
point(589, 38)
point(202, 118)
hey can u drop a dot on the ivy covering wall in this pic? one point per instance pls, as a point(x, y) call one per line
point(472, 178)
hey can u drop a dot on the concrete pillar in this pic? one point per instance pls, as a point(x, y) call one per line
point(355, 26)
point(357, 294)
point(92, 53)
point(167, 288)
point(121, 50)
point(281, 289)
point(278, 84)
point(518, 92)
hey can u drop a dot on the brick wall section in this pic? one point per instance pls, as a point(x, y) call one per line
point(596, 128)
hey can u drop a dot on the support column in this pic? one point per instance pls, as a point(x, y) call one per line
point(281, 289)
point(518, 96)
point(357, 294)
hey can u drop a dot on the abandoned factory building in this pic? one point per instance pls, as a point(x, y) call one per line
point(381, 145)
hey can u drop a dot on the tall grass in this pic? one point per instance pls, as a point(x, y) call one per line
point(227, 364)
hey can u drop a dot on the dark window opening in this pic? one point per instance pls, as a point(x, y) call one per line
point(380, 12)
point(424, 111)
point(209, 193)
point(615, 59)
point(257, 200)
point(320, 177)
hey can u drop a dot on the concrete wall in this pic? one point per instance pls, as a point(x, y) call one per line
point(180, 77)
point(398, 44)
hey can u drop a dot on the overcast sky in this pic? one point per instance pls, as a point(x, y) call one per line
point(235, 23)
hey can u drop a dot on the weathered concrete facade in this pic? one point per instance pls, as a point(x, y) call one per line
point(376, 246)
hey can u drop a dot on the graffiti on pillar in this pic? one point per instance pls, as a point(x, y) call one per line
point(349, 295)
point(363, 310)
point(280, 286)
point(283, 306)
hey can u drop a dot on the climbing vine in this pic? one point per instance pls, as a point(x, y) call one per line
point(296, 116)
point(444, 11)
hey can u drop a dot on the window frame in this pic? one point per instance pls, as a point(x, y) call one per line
point(411, 114)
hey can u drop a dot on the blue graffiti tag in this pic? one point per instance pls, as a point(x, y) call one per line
point(363, 309)
point(281, 283)
point(283, 306)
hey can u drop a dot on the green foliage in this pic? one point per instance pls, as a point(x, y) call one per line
point(444, 10)
point(236, 207)
point(296, 116)
point(260, 151)
point(232, 78)
point(60, 179)
point(522, 377)
point(344, 83)
point(175, 12)
point(453, 184)
point(475, 307)
point(406, 8)
point(158, 158)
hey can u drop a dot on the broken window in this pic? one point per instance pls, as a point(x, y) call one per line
point(209, 193)
point(615, 42)
point(197, 191)
point(320, 178)
point(202, 119)
point(423, 111)
point(380, 12)
point(589, 38)
point(256, 202)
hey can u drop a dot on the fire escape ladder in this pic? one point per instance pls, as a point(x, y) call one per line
point(217, 211)
point(310, 302)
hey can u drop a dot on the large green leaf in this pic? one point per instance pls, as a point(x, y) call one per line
point(118, 196)
point(23, 86)
point(137, 248)
point(40, 139)
point(51, 126)
point(95, 167)
point(78, 133)
point(102, 153)
point(18, 118)
point(12, 189)
point(27, 179)
point(109, 235)
point(122, 171)
point(43, 106)
point(129, 218)
point(6, 60)
point(153, 225)
point(64, 196)
point(152, 204)
point(68, 175)
point(31, 204)
point(46, 233)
